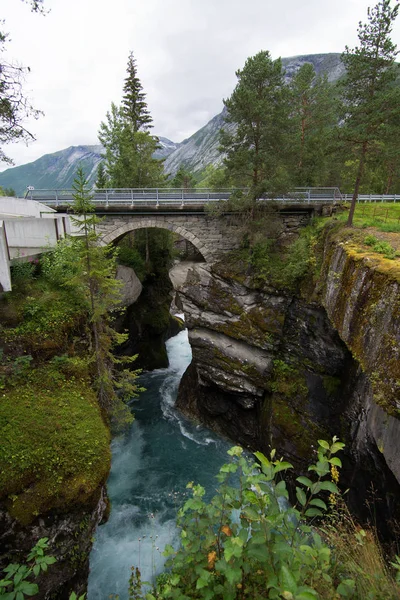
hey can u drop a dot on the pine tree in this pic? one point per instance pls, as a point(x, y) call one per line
point(370, 98)
point(259, 108)
point(313, 117)
point(134, 107)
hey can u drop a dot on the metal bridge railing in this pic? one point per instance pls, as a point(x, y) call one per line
point(175, 196)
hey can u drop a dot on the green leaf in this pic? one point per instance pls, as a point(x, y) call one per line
point(313, 512)
point(280, 489)
point(168, 550)
point(282, 466)
point(335, 460)
point(306, 596)
point(233, 575)
point(324, 444)
point(29, 589)
point(287, 580)
point(346, 588)
point(336, 447)
point(305, 481)
point(301, 497)
point(329, 486)
point(319, 503)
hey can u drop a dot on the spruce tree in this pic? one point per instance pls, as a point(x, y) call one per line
point(370, 98)
point(134, 107)
point(96, 277)
point(101, 179)
point(129, 147)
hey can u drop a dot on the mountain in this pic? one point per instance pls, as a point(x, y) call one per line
point(201, 149)
point(58, 170)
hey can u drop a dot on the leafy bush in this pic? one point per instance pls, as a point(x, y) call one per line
point(248, 543)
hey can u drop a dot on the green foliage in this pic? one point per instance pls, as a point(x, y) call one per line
point(313, 118)
point(16, 585)
point(285, 267)
point(182, 179)
point(256, 147)
point(102, 182)
point(129, 147)
point(247, 542)
point(130, 256)
point(95, 277)
point(370, 99)
point(21, 272)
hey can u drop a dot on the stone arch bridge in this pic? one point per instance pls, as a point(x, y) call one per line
point(185, 212)
point(211, 236)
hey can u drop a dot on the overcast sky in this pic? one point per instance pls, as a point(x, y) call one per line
point(187, 52)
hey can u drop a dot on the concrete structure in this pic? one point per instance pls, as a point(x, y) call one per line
point(27, 228)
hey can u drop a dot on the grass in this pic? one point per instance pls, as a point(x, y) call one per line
point(360, 557)
point(55, 445)
point(384, 216)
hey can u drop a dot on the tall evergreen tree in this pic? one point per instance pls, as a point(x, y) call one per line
point(96, 277)
point(259, 109)
point(134, 107)
point(313, 118)
point(129, 147)
point(101, 179)
point(370, 98)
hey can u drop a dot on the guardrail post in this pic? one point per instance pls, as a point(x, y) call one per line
point(131, 197)
point(56, 198)
point(309, 196)
point(157, 203)
point(183, 200)
point(106, 198)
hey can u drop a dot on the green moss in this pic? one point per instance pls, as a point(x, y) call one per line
point(288, 380)
point(294, 426)
point(55, 446)
point(331, 384)
point(367, 319)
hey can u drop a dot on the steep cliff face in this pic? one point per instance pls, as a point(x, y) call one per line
point(278, 371)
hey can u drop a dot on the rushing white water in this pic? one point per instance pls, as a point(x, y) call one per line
point(151, 466)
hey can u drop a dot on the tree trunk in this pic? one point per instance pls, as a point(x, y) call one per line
point(147, 249)
point(357, 184)
point(390, 178)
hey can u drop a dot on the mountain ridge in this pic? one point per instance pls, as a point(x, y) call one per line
point(58, 170)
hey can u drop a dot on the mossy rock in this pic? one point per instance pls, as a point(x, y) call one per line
point(55, 446)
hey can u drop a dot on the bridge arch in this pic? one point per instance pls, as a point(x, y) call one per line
point(110, 235)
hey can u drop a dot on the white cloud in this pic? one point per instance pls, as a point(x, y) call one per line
point(187, 52)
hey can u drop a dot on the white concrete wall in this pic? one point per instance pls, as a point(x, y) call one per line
point(5, 275)
point(19, 207)
point(27, 236)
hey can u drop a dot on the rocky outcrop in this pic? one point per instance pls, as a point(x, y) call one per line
point(131, 288)
point(70, 539)
point(271, 369)
point(260, 356)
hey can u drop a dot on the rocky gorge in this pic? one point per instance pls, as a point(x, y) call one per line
point(277, 369)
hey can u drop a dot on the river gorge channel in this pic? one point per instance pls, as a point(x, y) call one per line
point(151, 465)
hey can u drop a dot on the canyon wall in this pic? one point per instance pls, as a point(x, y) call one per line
point(274, 369)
